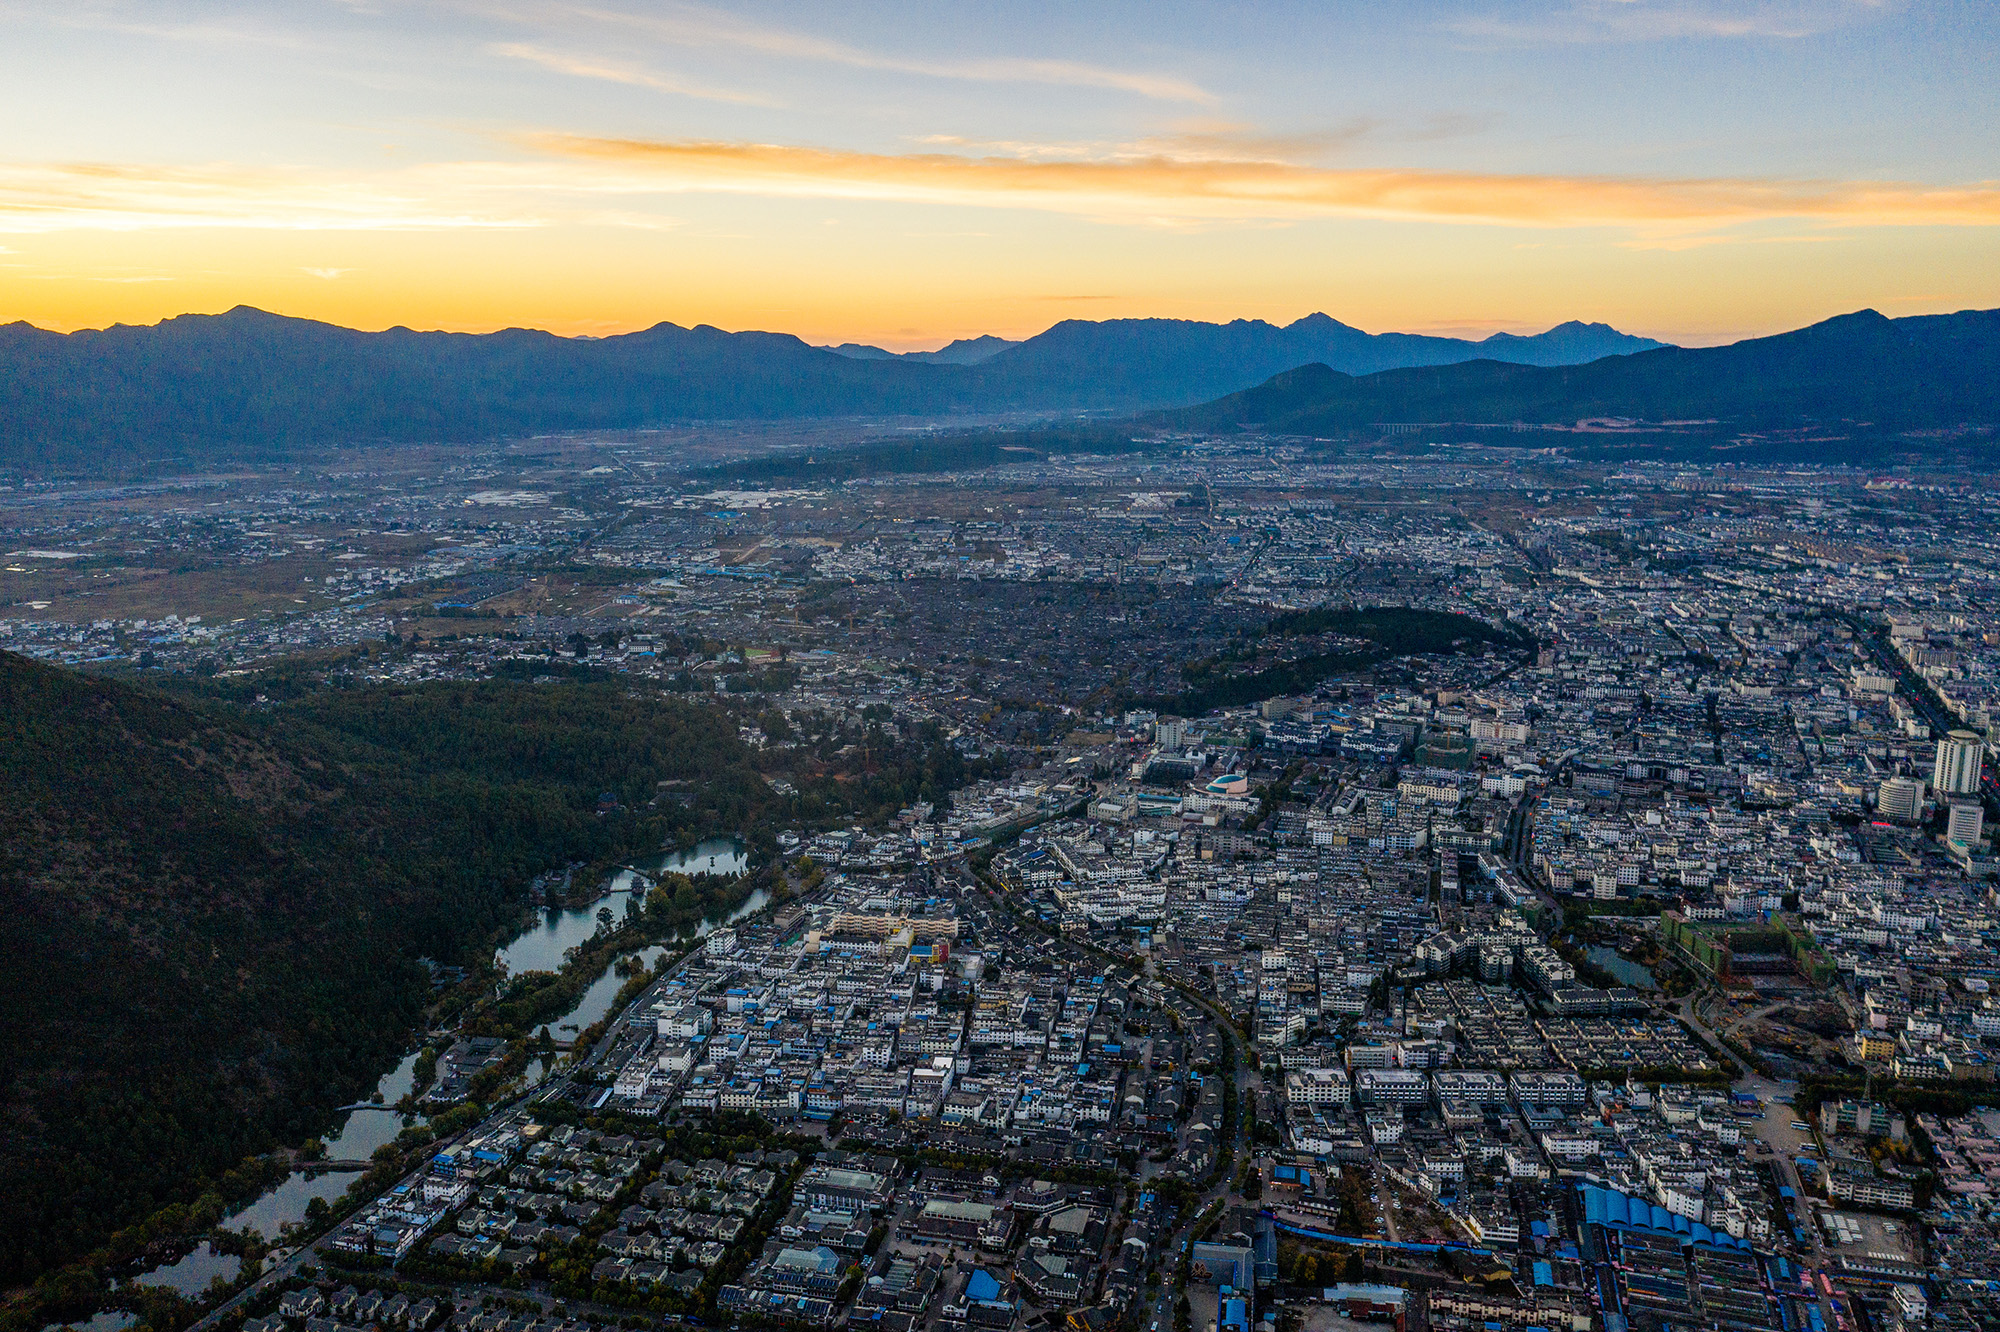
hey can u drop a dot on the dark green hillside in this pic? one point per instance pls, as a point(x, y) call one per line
point(1263, 666)
point(213, 914)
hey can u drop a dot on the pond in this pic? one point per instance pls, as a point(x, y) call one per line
point(192, 1274)
point(596, 1001)
point(108, 1320)
point(286, 1204)
point(542, 945)
point(1628, 972)
point(538, 948)
point(365, 1130)
point(718, 855)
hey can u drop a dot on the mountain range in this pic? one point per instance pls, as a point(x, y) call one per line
point(1174, 355)
point(1924, 371)
point(252, 384)
point(963, 351)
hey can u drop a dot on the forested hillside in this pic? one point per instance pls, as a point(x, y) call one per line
point(214, 913)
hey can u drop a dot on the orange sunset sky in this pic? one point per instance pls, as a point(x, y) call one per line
point(1692, 170)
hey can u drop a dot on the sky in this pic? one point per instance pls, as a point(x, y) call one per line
point(905, 174)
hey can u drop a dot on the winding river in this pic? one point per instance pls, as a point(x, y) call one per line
point(540, 947)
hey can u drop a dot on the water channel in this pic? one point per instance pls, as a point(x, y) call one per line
point(541, 947)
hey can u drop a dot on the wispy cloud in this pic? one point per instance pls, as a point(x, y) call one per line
point(1168, 188)
point(585, 67)
point(121, 278)
point(327, 274)
point(1589, 21)
point(696, 25)
point(581, 181)
point(1231, 142)
point(154, 22)
point(99, 196)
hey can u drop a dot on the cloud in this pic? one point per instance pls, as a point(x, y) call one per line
point(1228, 142)
point(1173, 189)
point(584, 67)
point(145, 21)
point(329, 274)
point(581, 181)
point(695, 25)
point(98, 196)
point(101, 277)
point(1591, 21)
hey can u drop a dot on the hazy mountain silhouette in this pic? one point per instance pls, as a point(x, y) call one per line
point(1922, 371)
point(963, 351)
point(252, 384)
point(1133, 362)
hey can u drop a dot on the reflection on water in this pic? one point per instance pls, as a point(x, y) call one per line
point(364, 1131)
point(538, 948)
point(1625, 969)
point(596, 1001)
point(757, 901)
point(541, 946)
point(286, 1204)
point(718, 855)
point(110, 1320)
point(192, 1274)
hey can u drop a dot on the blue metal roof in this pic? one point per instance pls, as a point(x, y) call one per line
point(1621, 1211)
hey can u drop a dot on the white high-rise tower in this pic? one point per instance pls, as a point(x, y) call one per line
point(1956, 771)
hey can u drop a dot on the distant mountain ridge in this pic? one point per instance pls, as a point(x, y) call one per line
point(1922, 371)
point(1159, 355)
point(961, 351)
point(1135, 362)
point(249, 384)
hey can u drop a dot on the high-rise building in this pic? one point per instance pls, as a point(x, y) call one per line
point(1965, 822)
point(1168, 732)
point(1899, 798)
point(1956, 771)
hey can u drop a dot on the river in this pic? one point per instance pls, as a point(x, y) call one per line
point(538, 948)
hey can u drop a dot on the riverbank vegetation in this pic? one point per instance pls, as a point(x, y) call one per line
point(221, 908)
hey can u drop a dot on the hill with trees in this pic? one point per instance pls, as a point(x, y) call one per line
point(217, 911)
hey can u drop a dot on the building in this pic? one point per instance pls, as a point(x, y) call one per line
point(1369, 1303)
point(1965, 822)
point(1558, 1088)
point(1393, 1086)
point(1899, 798)
point(1228, 1265)
point(1857, 1182)
point(1956, 771)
